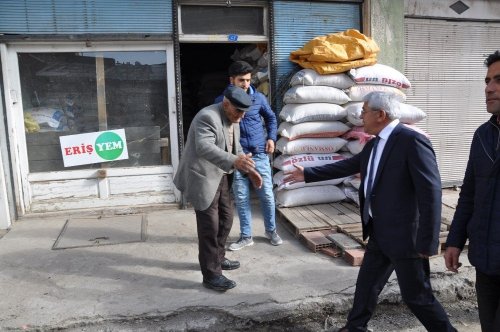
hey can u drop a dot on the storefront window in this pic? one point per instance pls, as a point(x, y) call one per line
point(73, 93)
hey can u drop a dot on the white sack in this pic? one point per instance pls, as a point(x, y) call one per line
point(312, 129)
point(297, 113)
point(279, 176)
point(353, 181)
point(379, 74)
point(286, 162)
point(311, 77)
point(355, 146)
point(410, 114)
point(351, 194)
point(358, 92)
point(315, 94)
point(310, 145)
point(309, 195)
point(353, 110)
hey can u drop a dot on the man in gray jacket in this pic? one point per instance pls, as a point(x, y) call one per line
point(211, 154)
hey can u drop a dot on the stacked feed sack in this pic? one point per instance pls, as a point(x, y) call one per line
point(313, 121)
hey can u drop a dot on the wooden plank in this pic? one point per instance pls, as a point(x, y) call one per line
point(353, 207)
point(101, 93)
point(348, 212)
point(290, 219)
point(285, 222)
point(311, 217)
point(336, 214)
point(326, 218)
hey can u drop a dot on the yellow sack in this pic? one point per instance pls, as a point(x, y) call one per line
point(337, 52)
point(30, 124)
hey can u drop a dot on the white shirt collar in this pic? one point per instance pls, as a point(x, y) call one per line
point(387, 131)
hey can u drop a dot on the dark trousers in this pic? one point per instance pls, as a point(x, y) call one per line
point(214, 225)
point(488, 301)
point(413, 278)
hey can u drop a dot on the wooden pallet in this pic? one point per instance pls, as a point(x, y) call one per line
point(342, 217)
point(317, 217)
point(354, 231)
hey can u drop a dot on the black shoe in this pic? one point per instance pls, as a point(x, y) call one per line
point(229, 265)
point(219, 283)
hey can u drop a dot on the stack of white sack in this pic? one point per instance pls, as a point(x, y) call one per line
point(301, 193)
point(313, 123)
point(321, 121)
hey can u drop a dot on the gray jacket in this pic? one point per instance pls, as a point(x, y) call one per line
point(205, 158)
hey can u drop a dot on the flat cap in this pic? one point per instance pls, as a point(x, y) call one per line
point(238, 97)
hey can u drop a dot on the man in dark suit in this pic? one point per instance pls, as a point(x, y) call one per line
point(400, 197)
point(211, 154)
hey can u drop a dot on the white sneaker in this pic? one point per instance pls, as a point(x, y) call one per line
point(274, 237)
point(241, 243)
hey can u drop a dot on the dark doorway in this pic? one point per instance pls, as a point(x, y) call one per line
point(204, 74)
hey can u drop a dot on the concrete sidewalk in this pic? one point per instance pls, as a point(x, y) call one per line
point(160, 279)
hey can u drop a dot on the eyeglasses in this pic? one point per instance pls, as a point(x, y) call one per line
point(363, 112)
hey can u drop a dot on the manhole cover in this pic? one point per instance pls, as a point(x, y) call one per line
point(99, 231)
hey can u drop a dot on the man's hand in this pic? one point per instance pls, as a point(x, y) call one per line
point(269, 146)
point(297, 175)
point(451, 259)
point(244, 163)
point(256, 179)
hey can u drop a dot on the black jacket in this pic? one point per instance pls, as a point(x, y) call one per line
point(406, 193)
point(477, 216)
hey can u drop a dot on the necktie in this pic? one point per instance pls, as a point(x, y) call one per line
point(366, 207)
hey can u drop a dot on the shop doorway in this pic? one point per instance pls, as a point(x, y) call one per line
point(204, 73)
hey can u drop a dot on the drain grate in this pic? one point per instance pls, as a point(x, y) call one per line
point(101, 231)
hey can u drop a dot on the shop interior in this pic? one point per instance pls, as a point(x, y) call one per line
point(204, 73)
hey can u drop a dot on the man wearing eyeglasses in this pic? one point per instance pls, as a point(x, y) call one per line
point(400, 205)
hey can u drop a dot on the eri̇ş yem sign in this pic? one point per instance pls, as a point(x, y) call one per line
point(91, 148)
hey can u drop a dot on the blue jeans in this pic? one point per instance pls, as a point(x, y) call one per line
point(241, 190)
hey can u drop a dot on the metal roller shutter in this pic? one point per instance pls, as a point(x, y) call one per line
point(297, 22)
point(444, 63)
point(85, 16)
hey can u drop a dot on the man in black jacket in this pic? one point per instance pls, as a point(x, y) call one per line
point(400, 204)
point(477, 216)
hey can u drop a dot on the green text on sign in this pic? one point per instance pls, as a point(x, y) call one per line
point(109, 145)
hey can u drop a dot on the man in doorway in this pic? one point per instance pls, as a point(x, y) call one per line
point(477, 216)
point(400, 205)
point(211, 154)
point(259, 142)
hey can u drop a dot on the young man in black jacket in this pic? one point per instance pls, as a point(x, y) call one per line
point(477, 216)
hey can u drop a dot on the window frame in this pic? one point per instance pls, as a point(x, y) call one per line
point(15, 120)
point(244, 38)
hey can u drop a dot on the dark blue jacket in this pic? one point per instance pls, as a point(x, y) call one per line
point(477, 216)
point(405, 197)
point(253, 136)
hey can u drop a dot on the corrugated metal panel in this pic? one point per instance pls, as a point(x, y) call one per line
point(444, 63)
point(85, 16)
point(297, 22)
